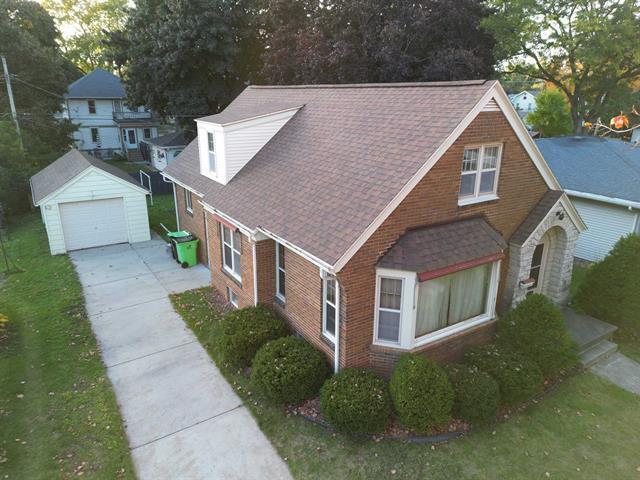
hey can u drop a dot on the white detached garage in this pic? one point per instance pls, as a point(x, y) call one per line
point(87, 203)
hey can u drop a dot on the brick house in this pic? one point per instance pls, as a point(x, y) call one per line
point(376, 219)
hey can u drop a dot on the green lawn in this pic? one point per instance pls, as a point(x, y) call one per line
point(587, 429)
point(162, 211)
point(58, 414)
point(627, 336)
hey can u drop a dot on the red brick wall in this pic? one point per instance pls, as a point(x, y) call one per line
point(193, 222)
point(435, 199)
point(220, 279)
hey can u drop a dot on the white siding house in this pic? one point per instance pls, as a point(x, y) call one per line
point(602, 178)
point(165, 148)
point(86, 203)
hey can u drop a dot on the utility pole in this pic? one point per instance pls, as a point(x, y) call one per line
point(7, 80)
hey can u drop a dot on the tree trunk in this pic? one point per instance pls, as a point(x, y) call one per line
point(576, 117)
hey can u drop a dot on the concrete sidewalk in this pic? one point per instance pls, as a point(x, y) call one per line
point(621, 370)
point(183, 419)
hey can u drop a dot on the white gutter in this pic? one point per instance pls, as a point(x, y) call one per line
point(336, 349)
point(313, 259)
point(601, 198)
point(173, 180)
point(175, 206)
point(255, 272)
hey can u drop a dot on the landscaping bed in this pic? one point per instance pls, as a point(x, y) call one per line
point(583, 429)
point(58, 413)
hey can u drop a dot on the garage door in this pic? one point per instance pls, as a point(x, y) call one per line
point(93, 223)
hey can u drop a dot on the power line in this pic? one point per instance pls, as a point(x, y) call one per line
point(15, 77)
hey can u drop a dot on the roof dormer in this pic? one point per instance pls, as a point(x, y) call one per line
point(229, 140)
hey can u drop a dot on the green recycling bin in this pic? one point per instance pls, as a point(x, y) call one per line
point(184, 247)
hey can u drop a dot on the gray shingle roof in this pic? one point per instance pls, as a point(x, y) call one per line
point(173, 139)
point(67, 167)
point(340, 160)
point(526, 228)
point(601, 166)
point(97, 84)
point(237, 112)
point(434, 247)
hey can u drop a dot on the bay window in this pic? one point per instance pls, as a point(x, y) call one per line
point(231, 251)
point(410, 312)
point(479, 177)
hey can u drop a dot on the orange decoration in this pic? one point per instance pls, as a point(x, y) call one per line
point(621, 121)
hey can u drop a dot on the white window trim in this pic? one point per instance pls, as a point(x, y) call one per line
point(408, 310)
point(477, 197)
point(328, 335)
point(188, 201)
point(279, 269)
point(212, 153)
point(233, 250)
point(231, 295)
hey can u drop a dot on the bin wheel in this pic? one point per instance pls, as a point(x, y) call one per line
point(184, 264)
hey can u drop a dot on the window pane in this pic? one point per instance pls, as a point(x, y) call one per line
point(433, 305)
point(469, 290)
point(236, 240)
point(330, 319)
point(281, 284)
point(490, 159)
point(227, 256)
point(212, 161)
point(470, 160)
point(487, 180)
point(331, 291)
point(212, 145)
point(388, 326)
point(390, 293)
point(281, 256)
point(467, 184)
point(236, 263)
point(226, 234)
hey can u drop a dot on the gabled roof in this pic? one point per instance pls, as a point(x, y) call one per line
point(239, 112)
point(346, 158)
point(97, 84)
point(57, 174)
point(594, 165)
point(539, 212)
point(173, 139)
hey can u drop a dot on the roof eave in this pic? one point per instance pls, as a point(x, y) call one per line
point(603, 198)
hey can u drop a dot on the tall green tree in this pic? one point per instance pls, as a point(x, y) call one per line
point(342, 41)
point(588, 49)
point(85, 26)
point(552, 116)
point(188, 58)
point(39, 76)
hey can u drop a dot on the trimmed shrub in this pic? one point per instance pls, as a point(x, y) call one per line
point(610, 287)
point(476, 393)
point(242, 332)
point(356, 400)
point(535, 328)
point(421, 392)
point(288, 370)
point(518, 377)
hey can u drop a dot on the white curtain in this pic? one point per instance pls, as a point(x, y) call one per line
point(433, 301)
point(468, 293)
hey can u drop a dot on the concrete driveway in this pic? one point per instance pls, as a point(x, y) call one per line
point(183, 420)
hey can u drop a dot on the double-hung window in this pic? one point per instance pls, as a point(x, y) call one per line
point(329, 307)
point(231, 249)
point(188, 201)
point(280, 271)
point(92, 106)
point(389, 309)
point(479, 177)
point(211, 148)
point(95, 136)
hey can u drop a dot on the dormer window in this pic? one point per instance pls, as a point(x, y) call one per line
point(211, 145)
point(479, 177)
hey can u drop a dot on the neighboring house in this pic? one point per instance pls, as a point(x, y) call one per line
point(86, 203)
point(602, 177)
point(163, 149)
point(96, 103)
point(377, 219)
point(524, 102)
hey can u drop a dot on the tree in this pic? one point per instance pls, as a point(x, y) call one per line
point(39, 75)
point(552, 116)
point(586, 49)
point(188, 58)
point(343, 41)
point(85, 25)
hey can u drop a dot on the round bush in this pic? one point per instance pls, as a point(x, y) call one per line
point(421, 392)
point(288, 370)
point(242, 332)
point(476, 393)
point(518, 377)
point(536, 329)
point(356, 400)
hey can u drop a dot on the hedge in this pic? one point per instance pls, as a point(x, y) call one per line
point(476, 393)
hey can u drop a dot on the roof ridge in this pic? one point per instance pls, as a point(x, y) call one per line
point(454, 83)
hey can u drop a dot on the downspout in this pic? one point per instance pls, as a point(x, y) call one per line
point(175, 203)
point(255, 271)
point(336, 348)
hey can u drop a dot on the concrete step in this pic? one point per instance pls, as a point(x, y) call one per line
point(597, 352)
point(587, 331)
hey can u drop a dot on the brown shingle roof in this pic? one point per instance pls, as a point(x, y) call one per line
point(338, 162)
point(549, 199)
point(67, 167)
point(237, 112)
point(439, 246)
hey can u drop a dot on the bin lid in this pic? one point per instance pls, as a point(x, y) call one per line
point(179, 233)
point(185, 239)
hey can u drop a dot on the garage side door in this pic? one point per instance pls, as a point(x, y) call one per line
point(93, 223)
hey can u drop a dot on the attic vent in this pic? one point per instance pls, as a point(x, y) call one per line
point(491, 106)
